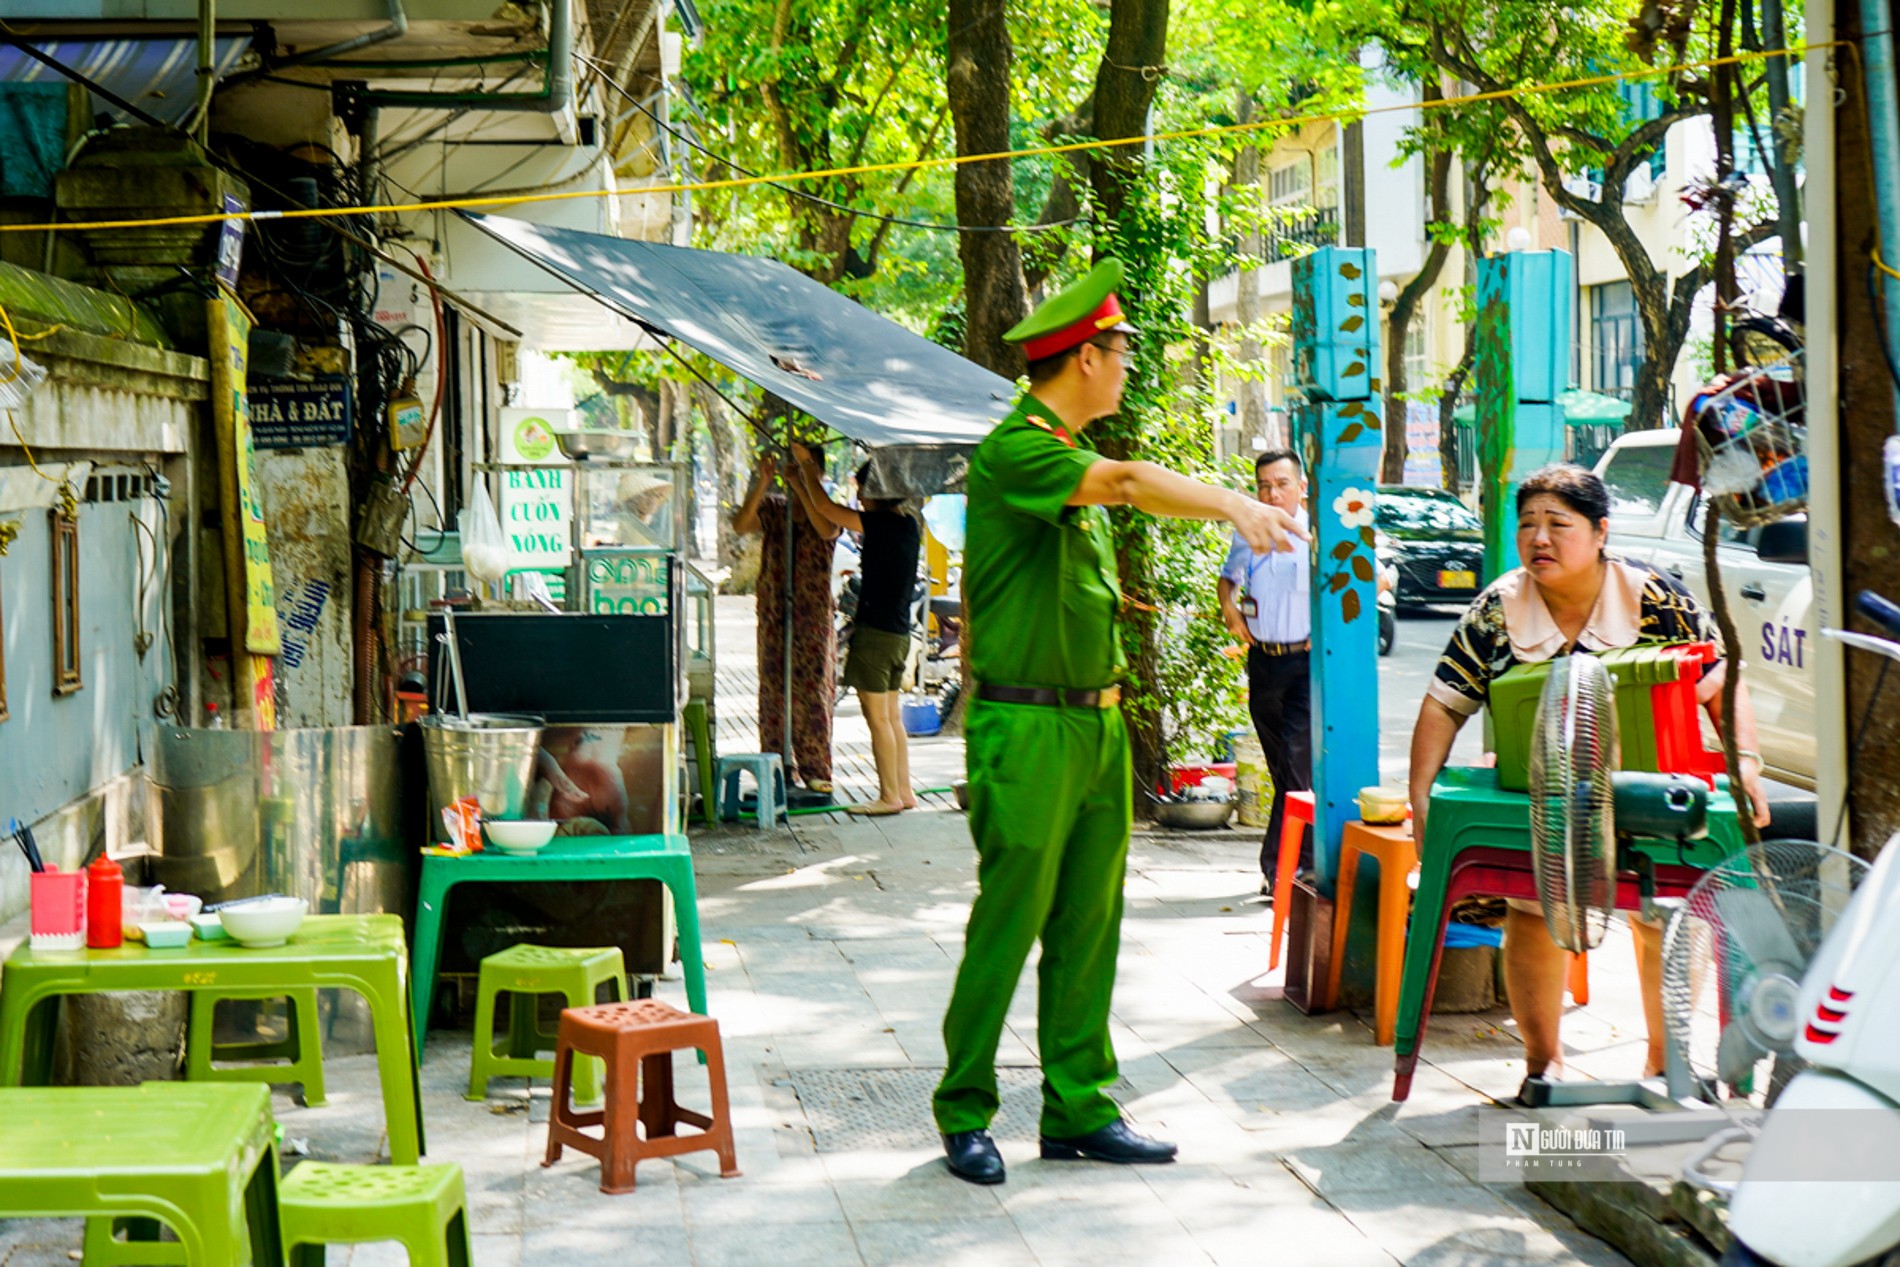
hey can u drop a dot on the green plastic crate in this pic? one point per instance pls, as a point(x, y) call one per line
point(1634, 670)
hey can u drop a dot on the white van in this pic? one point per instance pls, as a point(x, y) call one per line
point(1764, 572)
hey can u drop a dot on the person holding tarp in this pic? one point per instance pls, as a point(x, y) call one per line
point(1051, 789)
point(814, 648)
point(879, 654)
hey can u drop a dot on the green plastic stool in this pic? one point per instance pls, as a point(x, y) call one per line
point(575, 973)
point(700, 732)
point(104, 1249)
point(1470, 812)
point(423, 1207)
point(301, 1048)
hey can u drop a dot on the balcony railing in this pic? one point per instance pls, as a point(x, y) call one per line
point(1297, 236)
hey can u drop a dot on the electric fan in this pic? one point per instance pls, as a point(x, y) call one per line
point(1584, 815)
point(1734, 957)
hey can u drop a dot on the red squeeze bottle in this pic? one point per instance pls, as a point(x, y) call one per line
point(105, 914)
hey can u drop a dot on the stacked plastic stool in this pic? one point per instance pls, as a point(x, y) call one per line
point(768, 771)
point(1295, 819)
point(1393, 848)
point(699, 729)
point(641, 1118)
point(301, 1047)
point(424, 1207)
point(527, 972)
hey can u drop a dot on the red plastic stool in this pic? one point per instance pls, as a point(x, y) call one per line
point(1297, 817)
point(639, 1120)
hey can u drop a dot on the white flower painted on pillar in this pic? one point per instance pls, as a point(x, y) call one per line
point(1354, 507)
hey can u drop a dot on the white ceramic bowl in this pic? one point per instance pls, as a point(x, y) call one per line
point(525, 836)
point(267, 923)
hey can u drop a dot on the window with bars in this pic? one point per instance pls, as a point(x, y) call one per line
point(1290, 184)
point(66, 661)
point(1616, 339)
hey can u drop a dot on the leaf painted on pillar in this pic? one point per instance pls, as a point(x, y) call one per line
point(1340, 581)
point(1362, 568)
point(1352, 323)
point(1350, 433)
point(1349, 604)
point(1343, 549)
point(1350, 271)
point(1352, 409)
point(1357, 367)
point(1365, 535)
point(1375, 388)
point(1355, 300)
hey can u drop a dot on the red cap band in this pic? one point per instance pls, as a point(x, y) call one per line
point(1043, 346)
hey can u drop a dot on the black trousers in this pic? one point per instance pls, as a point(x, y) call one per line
point(1280, 697)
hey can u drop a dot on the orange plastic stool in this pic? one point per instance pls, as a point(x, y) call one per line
point(1297, 817)
point(1579, 978)
point(637, 1041)
point(1398, 855)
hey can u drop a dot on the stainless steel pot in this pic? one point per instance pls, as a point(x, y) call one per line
point(489, 756)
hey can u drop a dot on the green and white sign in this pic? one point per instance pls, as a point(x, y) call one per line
point(537, 491)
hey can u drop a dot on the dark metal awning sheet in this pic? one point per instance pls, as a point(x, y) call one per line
point(159, 76)
point(826, 354)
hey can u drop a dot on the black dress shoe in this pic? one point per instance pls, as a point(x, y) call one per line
point(973, 1157)
point(1114, 1142)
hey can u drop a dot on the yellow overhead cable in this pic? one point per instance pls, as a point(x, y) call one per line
point(948, 160)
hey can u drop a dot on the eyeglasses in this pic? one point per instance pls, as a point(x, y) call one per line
point(1121, 351)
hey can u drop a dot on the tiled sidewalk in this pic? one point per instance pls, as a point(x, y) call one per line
point(831, 948)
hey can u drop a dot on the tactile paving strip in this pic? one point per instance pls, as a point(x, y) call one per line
point(850, 1110)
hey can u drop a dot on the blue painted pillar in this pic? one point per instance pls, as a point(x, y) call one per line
point(1335, 368)
point(1523, 366)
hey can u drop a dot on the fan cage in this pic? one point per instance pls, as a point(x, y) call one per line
point(1573, 836)
point(1709, 983)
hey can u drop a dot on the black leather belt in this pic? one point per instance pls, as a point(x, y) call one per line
point(1049, 696)
point(1284, 648)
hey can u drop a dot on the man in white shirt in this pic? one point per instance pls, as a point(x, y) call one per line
point(1265, 600)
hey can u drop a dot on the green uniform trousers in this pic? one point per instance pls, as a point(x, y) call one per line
point(1050, 804)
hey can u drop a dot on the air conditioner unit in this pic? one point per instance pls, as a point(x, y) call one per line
point(1641, 186)
point(1583, 187)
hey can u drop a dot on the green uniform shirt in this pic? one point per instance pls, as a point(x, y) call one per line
point(1038, 575)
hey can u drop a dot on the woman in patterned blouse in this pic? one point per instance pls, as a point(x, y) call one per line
point(1568, 596)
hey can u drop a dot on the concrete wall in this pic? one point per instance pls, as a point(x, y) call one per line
point(57, 750)
point(111, 411)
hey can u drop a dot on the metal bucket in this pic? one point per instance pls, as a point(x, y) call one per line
point(489, 756)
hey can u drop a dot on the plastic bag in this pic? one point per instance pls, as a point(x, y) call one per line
point(484, 551)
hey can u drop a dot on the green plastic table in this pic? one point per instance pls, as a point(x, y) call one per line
point(199, 1156)
point(364, 953)
point(668, 859)
point(1472, 822)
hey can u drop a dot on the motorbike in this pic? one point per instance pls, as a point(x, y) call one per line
point(1388, 603)
point(1849, 1011)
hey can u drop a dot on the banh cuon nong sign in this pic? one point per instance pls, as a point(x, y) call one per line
point(537, 490)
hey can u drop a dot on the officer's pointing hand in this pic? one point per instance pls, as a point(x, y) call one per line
point(1265, 528)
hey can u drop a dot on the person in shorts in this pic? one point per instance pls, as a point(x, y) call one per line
point(879, 653)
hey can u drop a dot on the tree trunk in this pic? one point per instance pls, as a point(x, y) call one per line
point(994, 295)
point(1124, 90)
point(1866, 420)
point(725, 470)
point(1405, 310)
point(1252, 389)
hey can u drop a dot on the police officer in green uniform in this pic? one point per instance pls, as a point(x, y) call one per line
point(1050, 787)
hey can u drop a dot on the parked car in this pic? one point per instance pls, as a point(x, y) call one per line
point(1764, 573)
point(1434, 541)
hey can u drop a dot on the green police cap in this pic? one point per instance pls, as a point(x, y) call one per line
point(1075, 314)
